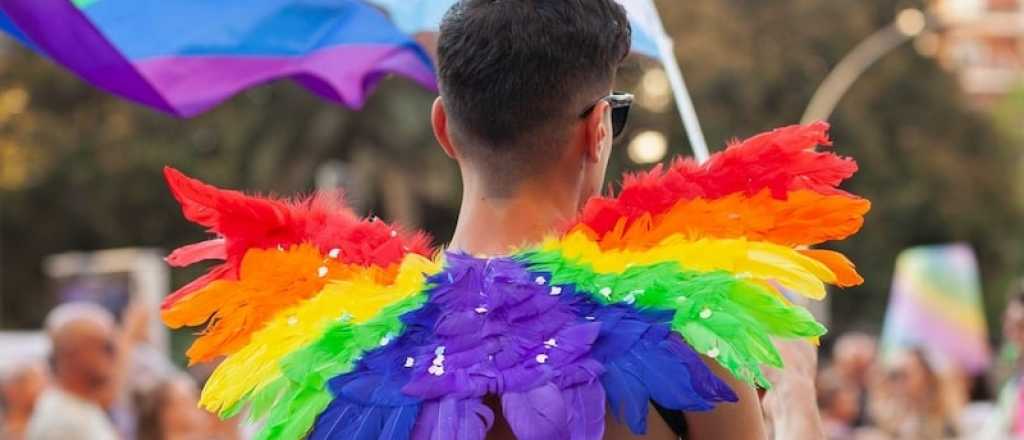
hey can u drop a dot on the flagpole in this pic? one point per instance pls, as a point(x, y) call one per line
point(909, 24)
point(682, 97)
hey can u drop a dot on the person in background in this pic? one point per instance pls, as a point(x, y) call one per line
point(839, 403)
point(1008, 420)
point(141, 367)
point(84, 362)
point(853, 360)
point(909, 402)
point(20, 387)
point(230, 429)
point(790, 408)
point(235, 428)
point(170, 412)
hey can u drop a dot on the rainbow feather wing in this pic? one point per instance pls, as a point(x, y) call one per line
point(685, 262)
point(335, 327)
point(276, 254)
point(717, 244)
point(293, 273)
point(772, 189)
point(712, 247)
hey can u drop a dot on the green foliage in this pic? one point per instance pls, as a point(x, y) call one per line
point(80, 170)
point(936, 170)
point(1009, 115)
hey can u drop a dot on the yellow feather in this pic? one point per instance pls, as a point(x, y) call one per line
point(761, 261)
point(361, 297)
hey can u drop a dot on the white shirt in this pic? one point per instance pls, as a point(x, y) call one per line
point(62, 416)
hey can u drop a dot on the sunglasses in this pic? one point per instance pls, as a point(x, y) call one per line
point(620, 102)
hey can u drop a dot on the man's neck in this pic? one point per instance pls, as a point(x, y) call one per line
point(494, 226)
point(77, 389)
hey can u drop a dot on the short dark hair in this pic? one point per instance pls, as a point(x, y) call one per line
point(513, 72)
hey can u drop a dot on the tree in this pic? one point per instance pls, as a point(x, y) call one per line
point(936, 170)
point(81, 170)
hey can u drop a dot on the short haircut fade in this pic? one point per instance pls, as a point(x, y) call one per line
point(514, 73)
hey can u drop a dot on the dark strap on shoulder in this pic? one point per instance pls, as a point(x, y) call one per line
point(675, 420)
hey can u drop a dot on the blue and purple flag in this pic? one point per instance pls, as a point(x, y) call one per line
point(184, 57)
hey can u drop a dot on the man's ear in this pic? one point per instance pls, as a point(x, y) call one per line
point(597, 131)
point(439, 119)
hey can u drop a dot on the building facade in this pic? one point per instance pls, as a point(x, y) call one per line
point(983, 42)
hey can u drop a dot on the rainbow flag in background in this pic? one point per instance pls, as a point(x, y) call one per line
point(184, 57)
point(936, 304)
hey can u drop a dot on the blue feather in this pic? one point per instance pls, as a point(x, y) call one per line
point(666, 378)
point(627, 397)
point(369, 403)
point(334, 419)
point(645, 361)
point(704, 381)
point(399, 423)
point(367, 426)
point(350, 421)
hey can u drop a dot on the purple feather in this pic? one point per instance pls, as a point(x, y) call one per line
point(538, 414)
point(586, 405)
point(492, 327)
point(499, 331)
point(453, 419)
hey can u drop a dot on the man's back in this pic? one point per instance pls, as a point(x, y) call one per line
point(556, 313)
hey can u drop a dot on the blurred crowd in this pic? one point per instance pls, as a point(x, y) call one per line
point(912, 394)
point(103, 380)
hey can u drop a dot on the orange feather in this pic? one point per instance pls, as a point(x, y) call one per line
point(271, 281)
point(803, 218)
point(846, 272)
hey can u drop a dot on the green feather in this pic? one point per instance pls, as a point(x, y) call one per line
point(291, 404)
point(714, 311)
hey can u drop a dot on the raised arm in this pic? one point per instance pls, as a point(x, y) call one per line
point(791, 407)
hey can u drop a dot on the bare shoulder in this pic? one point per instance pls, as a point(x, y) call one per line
point(657, 428)
point(740, 420)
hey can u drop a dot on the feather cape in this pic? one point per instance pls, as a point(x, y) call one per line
point(336, 327)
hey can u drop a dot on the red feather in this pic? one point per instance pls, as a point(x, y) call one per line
point(780, 161)
point(205, 250)
point(247, 222)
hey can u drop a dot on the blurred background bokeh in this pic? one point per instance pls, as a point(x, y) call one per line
point(936, 124)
